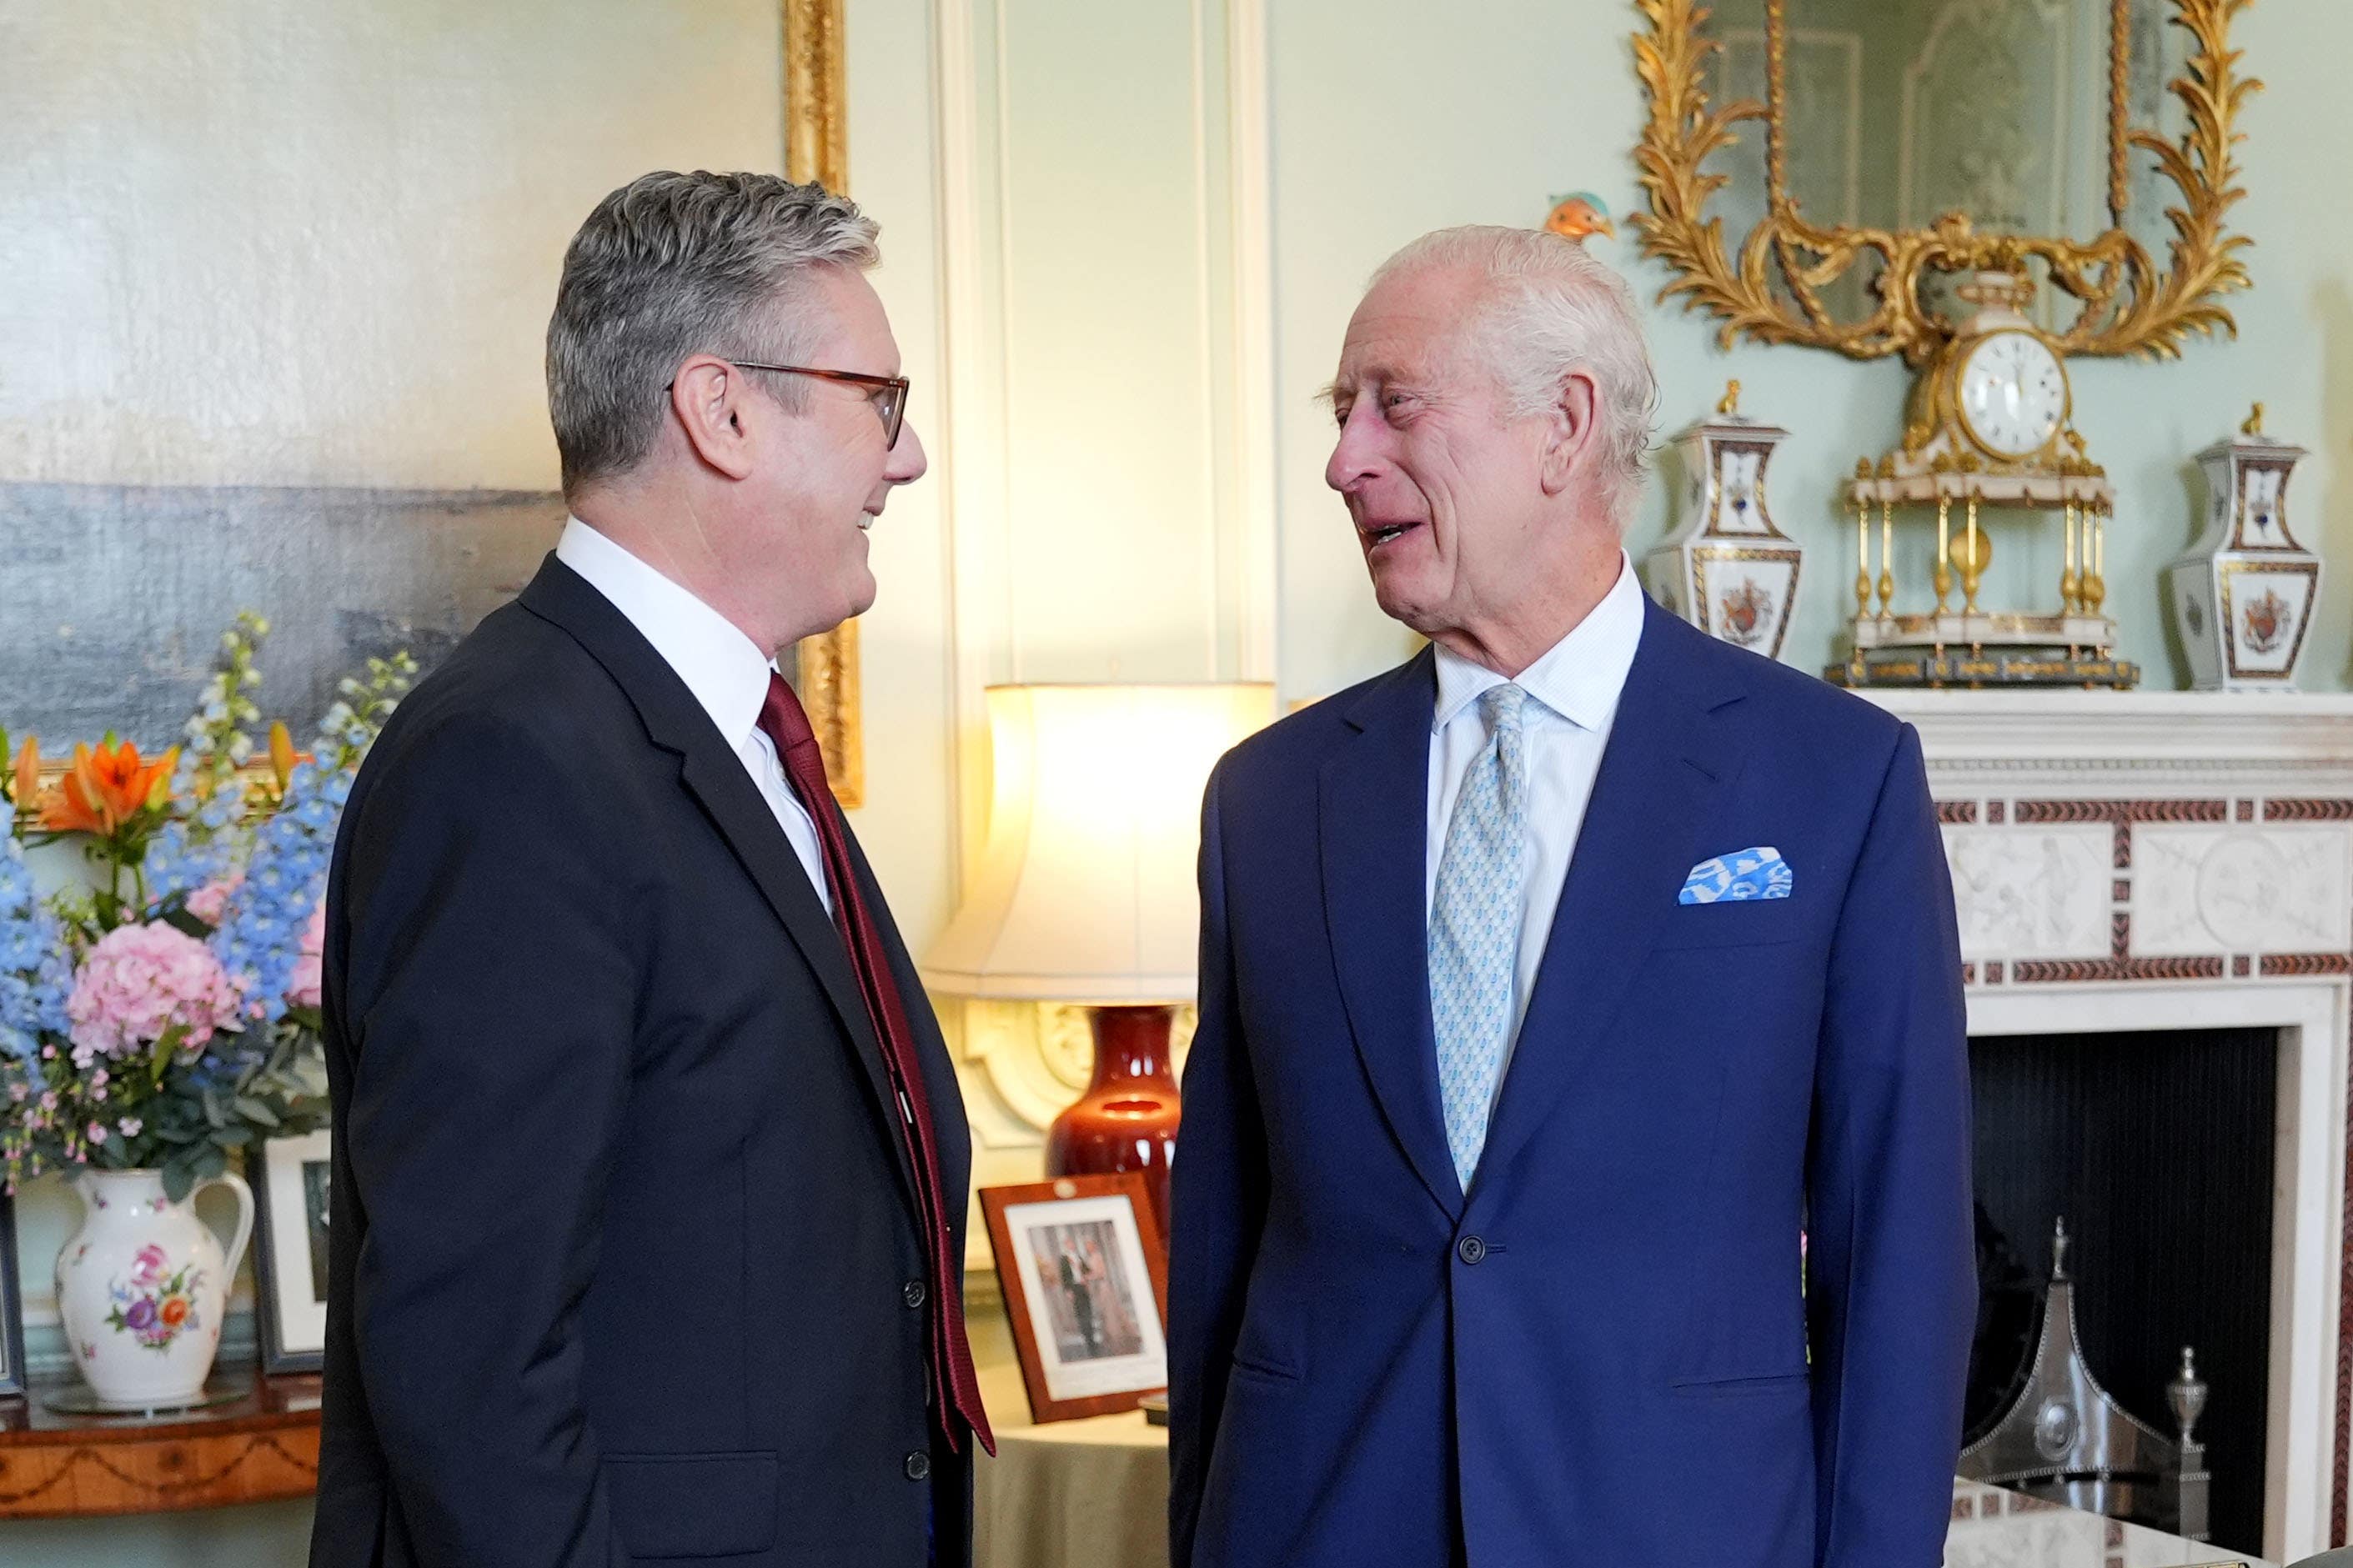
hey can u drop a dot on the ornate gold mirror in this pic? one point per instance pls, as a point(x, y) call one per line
point(1822, 172)
point(1982, 186)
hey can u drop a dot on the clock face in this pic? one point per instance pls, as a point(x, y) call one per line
point(2014, 393)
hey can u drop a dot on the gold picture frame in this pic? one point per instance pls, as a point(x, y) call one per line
point(1772, 291)
point(816, 147)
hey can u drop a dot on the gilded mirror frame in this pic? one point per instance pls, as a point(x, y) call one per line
point(1772, 291)
point(816, 147)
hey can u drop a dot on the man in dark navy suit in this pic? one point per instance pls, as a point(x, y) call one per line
point(649, 1165)
point(1552, 985)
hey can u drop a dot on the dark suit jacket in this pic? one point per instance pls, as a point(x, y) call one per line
point(625, 1264)
point(1602, 1353)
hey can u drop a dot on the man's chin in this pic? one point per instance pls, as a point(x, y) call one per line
point(864, 591)
point(1401, 599)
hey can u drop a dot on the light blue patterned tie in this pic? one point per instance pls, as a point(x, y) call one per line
point(1475, 927)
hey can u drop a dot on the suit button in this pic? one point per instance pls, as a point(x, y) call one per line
point(912, 1293)
point(1471, 1249)
point(919, 1466)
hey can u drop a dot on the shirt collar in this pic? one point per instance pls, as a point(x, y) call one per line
point(1579, 677)
point(723, 668)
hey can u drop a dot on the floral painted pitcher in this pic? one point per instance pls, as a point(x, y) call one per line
point(142, 1287)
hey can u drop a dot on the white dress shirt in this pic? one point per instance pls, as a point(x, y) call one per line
point(1575, 688)
point(725, 670)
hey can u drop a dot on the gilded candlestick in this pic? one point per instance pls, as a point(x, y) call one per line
point(2095, 581)
point(2068, 582)
point(1861, 540)
point(1886, 543)
point(1944, 550)
point(1973, 564)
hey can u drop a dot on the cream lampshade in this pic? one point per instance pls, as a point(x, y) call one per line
point(1086, 889)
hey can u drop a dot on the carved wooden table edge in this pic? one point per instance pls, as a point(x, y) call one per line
point(260, 1448)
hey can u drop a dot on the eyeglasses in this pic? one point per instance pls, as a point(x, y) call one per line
point(889, 394)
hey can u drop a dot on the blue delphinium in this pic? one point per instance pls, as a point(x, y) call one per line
point(36, 973)
point(193, 852)
point(260, 935)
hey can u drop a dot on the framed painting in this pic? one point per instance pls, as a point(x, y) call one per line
point(251, 382)
point(1084, 1278)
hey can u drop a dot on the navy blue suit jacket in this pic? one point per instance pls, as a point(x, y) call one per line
point(626, 1261)
point(1607, 1351)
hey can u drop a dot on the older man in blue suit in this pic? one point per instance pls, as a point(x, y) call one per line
point(1552, 985)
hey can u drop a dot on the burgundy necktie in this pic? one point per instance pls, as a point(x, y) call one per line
point(954, 1383)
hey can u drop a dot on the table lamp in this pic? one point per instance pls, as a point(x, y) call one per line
point(1086, 891)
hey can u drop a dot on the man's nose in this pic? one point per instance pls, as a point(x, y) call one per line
point(907, 461)
point(1357, 456)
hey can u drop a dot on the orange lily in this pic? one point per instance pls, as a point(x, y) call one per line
point(283, 755)
point(29, 775)
point(108, 786)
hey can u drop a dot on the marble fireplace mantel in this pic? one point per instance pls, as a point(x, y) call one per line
point(2161, 860)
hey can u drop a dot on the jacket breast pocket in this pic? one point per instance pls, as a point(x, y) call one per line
point(692, 1505)
point(1738, 922)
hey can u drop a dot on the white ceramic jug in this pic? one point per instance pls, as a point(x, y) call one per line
point(143, 1285)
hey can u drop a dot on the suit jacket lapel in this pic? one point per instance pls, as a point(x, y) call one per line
point(715, 777)
point(1373, 827)
point(1671, 750)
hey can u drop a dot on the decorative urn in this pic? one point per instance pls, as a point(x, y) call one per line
point(2246, 590)
point(1727, 569)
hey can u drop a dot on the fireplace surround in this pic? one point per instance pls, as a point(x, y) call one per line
point(2145, 861)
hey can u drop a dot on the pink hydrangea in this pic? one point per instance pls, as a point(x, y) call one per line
point(210, 903)
point(140, 980)
point(303, 990)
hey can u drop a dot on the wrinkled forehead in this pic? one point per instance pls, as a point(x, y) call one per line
point(1411, 329)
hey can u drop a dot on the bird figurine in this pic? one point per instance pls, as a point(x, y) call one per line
point(1579, 213)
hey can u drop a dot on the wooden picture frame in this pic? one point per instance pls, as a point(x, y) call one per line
point(816, 147)
point(289, 1178)
point(1078, 1258)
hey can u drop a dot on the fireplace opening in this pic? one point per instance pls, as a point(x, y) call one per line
point(2156, 1150)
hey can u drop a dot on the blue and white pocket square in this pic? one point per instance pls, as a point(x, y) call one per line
point(1758, 873)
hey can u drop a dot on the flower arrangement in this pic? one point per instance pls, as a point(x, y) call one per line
point(164, 1011)
point(156, 1306)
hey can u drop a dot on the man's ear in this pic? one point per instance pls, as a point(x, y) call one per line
point(711, 402)
point(1572, 435)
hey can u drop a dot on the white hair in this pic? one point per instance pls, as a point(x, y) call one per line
point(1552, 308)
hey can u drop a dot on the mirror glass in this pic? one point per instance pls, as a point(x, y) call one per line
point(1896, 112)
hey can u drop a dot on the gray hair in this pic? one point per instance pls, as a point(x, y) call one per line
point(672, 265)
point(1551, 309)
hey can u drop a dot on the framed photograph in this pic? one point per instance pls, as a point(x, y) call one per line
point(289, 1178)
point(12, 1306)
point(1085, 1284)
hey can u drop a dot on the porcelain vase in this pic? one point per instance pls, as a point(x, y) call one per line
point(1726, 568)
point(1127, 1120)
point(142, 1287)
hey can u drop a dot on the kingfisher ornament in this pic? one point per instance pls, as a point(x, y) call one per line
point(1579, 215)
point(2245, 592)
point(1727, 569)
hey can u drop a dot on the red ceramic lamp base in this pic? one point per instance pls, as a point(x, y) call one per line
point(1127, 1119)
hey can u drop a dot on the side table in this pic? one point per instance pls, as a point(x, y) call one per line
point(1070, 1494)
point(261, 1448)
